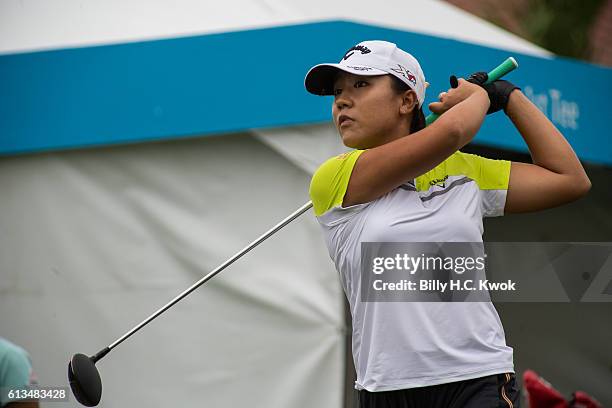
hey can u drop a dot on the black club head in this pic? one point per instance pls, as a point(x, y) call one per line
point(84, 380)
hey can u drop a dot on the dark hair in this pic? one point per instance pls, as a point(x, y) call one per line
point(418, 118)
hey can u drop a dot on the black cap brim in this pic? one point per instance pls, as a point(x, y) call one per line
point(320, 78)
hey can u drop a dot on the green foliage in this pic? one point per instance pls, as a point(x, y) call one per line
point(562, 26)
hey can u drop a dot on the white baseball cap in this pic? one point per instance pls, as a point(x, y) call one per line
point(369, 58)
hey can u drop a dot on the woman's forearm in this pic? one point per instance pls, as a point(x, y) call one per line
point(468, 116)
point(547, 146)
point(381, 169)
point(427, 148)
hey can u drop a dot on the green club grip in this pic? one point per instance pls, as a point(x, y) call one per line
point(502, 69)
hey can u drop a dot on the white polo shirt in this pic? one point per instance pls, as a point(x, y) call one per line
point(399, 345)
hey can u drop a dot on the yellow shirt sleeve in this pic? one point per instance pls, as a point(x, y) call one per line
point(489, 174)
point(330, 181)
point(494, 174)
point(493, 178)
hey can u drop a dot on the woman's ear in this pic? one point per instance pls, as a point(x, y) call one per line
point(409, 102)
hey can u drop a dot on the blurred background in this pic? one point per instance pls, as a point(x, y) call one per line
point(574, 29)
point(143, 143)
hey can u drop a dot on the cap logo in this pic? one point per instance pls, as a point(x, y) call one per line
point(359, 68)
point(405, 73)
point(362, 48)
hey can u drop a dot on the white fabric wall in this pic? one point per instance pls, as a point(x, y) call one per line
point(94, 241)
point(305, 146)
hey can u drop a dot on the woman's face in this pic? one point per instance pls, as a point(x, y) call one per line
point(374, 108)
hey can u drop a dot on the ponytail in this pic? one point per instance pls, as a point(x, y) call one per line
point(418, 120)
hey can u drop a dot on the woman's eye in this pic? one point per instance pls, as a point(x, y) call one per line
point(358, 84)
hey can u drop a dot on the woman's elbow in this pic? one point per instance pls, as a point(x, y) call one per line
point(580, 187)
point(455, 132)
point(585, 186)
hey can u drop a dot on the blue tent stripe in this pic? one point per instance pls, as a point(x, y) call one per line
point(235, 81)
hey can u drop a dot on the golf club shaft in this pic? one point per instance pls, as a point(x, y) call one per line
point(221, 267)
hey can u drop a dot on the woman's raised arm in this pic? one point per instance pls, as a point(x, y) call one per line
point(383, 168)
point(556, 176)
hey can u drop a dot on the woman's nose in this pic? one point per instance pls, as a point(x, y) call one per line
point(343, 101)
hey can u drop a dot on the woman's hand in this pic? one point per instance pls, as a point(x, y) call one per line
point(499, 91)
point(453, 96)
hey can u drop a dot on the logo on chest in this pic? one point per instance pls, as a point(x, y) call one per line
point(441, 182)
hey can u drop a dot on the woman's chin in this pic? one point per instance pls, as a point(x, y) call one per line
point(349, 140)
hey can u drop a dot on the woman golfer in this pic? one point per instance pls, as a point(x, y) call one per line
point(404, 182)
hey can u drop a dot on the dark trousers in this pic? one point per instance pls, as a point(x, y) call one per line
point(493, 391)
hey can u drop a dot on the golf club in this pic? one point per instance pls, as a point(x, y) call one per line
point(83, 375)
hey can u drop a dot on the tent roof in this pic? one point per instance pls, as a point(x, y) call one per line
point(28, 25)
